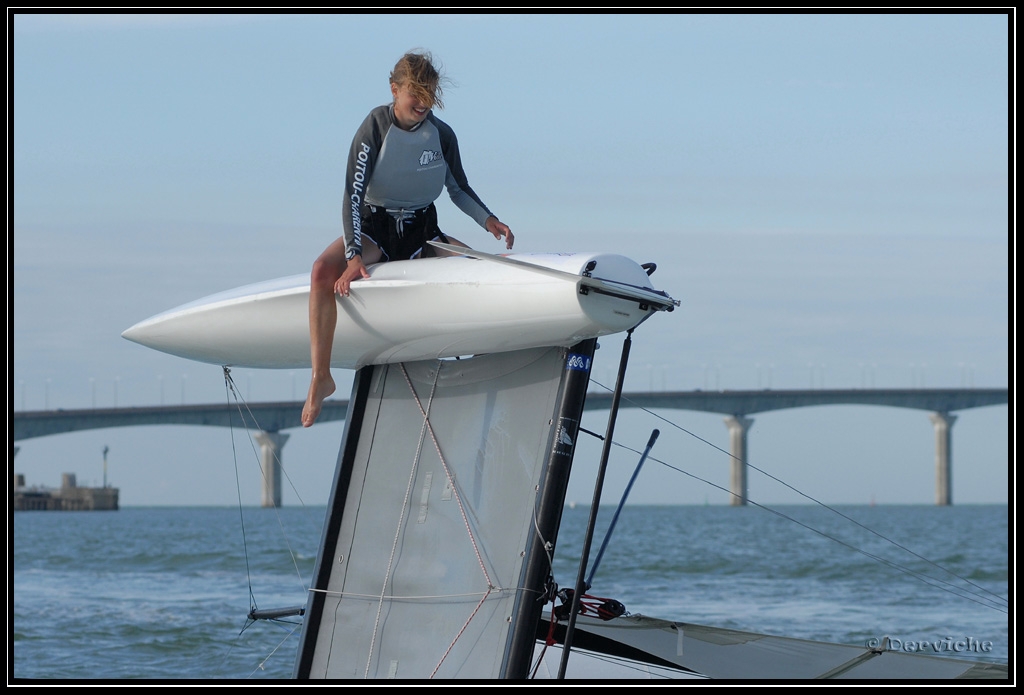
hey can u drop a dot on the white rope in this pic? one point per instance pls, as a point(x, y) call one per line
point(462, 511)
point(401, 520)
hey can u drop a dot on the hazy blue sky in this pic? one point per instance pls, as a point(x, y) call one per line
point(827, 195)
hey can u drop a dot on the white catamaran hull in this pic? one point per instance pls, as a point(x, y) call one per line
point(640, 647)
point(414, 310)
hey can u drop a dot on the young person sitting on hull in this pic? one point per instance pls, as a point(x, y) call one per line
point(390, 193)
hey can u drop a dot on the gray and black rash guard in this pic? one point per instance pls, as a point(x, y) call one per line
point(403, 170)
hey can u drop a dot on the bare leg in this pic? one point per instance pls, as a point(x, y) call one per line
point(444, 252)
point(323, 320)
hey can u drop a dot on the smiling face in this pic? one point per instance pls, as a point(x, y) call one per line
point(411, 105)
point(416, 88)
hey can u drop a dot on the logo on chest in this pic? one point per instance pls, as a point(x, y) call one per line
point(429, 156)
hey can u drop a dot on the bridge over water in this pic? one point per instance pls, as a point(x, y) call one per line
point(736, 406)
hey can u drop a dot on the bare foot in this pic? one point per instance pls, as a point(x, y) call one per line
point(319, 389)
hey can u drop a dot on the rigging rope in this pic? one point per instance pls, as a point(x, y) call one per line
point(246, 415)
point(254, 615)
point(448, 473)
point(425, 429)
point(983, 596)
point(401, 522)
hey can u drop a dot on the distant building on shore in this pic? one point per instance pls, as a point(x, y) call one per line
point(67, 498)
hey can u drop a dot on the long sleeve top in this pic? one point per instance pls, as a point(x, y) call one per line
point(403, 170)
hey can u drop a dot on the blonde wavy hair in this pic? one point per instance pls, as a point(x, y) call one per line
point(417, 72)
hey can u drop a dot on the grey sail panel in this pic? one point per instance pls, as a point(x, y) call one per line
point(433, 552)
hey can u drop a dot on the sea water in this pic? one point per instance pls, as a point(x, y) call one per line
point(162, 593)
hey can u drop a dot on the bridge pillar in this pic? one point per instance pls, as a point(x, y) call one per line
point(943, 457)
point(738, 426)
point(271, 444)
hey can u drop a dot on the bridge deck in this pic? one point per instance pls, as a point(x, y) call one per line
point(281, 415)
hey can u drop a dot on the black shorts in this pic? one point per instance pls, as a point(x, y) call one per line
point(402, 236)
